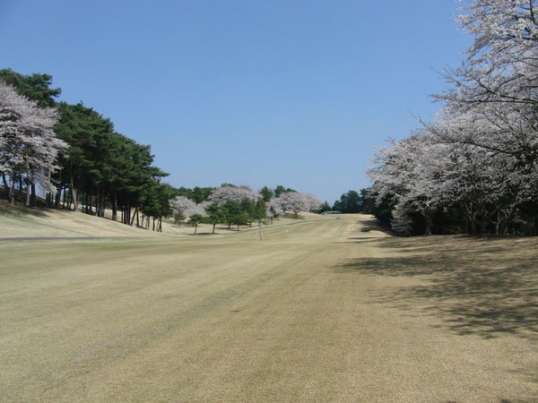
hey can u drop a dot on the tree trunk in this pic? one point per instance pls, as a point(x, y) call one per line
point(28, 193)
point(115, 206)
point(74, 197)
point(428, 219)
point(98, 203)
point(54, 202)
point(137, 218)
point(102, 202)
point(12, 191)
point(34, 196)
point(6, 186)
point(89, 201)
point(20, 186)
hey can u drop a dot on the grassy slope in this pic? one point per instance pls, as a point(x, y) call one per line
point(21, 222)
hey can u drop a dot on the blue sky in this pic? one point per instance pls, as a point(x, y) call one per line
point(258, 93)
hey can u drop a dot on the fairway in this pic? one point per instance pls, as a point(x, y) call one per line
point(324, 309)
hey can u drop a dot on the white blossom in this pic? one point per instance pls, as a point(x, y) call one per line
point(231, 193)
point(28, 145)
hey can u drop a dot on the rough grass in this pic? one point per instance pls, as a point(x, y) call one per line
point(323, 309)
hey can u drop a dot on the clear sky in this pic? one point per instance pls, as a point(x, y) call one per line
point(296, 93)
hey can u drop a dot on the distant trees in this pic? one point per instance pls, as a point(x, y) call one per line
point(281, 189)
point(291, 201)
point(216, 214)
point(233, 193)
point(185, 206)
point(197, 194)
point(195, 220)
point(106, 167)
point(313, 203)
point(74, 152)
point(240, 205)
point(267, 194)
point(82, 163)
point(325, 207)
point(350, 202)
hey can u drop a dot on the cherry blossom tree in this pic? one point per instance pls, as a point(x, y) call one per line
point(433, 170)
point(291, 201)
point(234, 193)
point(498, 82)
point(187, 208)
point(28, 145)
point(491, 109)
point(313, 203)
point(487, 182)
point(480, 155)
point(273, 209)
point(411, 173)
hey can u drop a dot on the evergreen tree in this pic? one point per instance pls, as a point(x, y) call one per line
point(216, 214)
point(35, 87)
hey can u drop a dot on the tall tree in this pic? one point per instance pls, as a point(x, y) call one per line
point(234, 214)
point(85, 130)
point(313, 203)
point(266, 193)
point(215, 215)
point(281, 189)
point(350, 202)
point(498, 81)
point(291, 201)
point(195, 220)
point(35, 86)
point(156, 204)
point(28, 145)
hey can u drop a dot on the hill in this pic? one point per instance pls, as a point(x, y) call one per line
point(21, 222)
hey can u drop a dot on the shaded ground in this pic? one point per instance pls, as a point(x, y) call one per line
point(478, 286)
point(329, 310)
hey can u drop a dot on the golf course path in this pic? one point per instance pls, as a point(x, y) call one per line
point(233, 318)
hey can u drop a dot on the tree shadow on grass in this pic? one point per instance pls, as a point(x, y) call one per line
point(20, 210)
point(480, 287)
point(372, 225)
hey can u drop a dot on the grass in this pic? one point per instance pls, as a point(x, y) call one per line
point(326, 309)
point(485, 287)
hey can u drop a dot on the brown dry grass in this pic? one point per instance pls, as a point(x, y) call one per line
point(325, 310)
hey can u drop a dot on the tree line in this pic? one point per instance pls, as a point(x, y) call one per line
point(73, 153)
point(474, 168)
point(351, 202)
point(81, 162)
point(239, 205)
